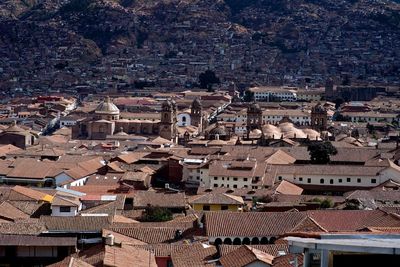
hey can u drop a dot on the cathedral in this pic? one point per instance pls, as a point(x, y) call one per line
point(105, 122)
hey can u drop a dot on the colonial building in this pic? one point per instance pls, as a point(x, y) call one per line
point(16, 136)
point(105, 121)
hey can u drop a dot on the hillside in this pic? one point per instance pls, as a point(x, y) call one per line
point(64, 43)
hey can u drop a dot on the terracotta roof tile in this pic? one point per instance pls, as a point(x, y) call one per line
point(196, 255)
point(127, 256)
point(250, 224)
point(76, 224)
point(10, 212)
point(70, 262)
point(273, 249)
point(352, 220)
point(143, 199)
point(244, 256)
point(215, 198)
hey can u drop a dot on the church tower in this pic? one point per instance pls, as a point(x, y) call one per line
point(329, 93)
point(167, 128)
point(254, 117)
point(196, 114)
point(319, 117)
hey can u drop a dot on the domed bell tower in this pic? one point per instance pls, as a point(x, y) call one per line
point(319, 117)
point(254, 117)
point(196, 114)
point(167, 128)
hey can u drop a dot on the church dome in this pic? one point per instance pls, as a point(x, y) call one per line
point(107, 107)
point(220, 130)
point(14, 128)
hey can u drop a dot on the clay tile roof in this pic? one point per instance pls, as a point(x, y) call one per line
point(29, 193)
point(10, 212)
point(61, 200)
point(132, 157)
point(287, 188)
point(4, 150)
point(244, 256)
point(250, 224)
point(126, 255)
point(195, 255)
point(150, 235)
point(352, 220)
point(93, 255)
point(26, 227)
point(273, 249)
point(164, 250)
point(29, 240)
point(70, 262)
point(169, 200)
point(216, 198)
point(76, 224)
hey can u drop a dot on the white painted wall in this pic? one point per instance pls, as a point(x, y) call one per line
point(183, 119)
point(55, 211)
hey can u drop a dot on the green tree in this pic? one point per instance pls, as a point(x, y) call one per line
point(320, 152)
point(248, 96)
point(157, 214)
point(207, 79)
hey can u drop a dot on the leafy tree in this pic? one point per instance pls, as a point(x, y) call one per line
point(207, 79)
point(248, 96)
point(326, 203)
point(157, 214)
point(320, 152)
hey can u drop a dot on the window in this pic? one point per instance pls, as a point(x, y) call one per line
point(65, 209)
point(340, 180)
point(235, 186)
point(373, 181)
point(206, 207)
point(358, 180)
point(245, 179)
point(321, 181)
point(309, 180)
point(215, 185)
point(223, 178)
point(222, 185)
point(215, 178)
point(280, 178)
point(348, 180)
point(227, 178)
point(224, 207)
point(254, 187)
point(301, 179)
point(235, 179)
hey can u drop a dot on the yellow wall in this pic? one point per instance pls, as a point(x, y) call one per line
point(215, 207)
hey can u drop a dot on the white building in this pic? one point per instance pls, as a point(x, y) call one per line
point(184, 119)
point(337, 175)
point(274, 93)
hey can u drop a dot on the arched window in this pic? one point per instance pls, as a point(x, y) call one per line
point(246, 241)
point(272, 240)
point(218, 241)
point(237, 241)
point(255, 241)
point(228, 241)
point(321, 181)
point(264, 240)
point(331, 181)
point(184, 119)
